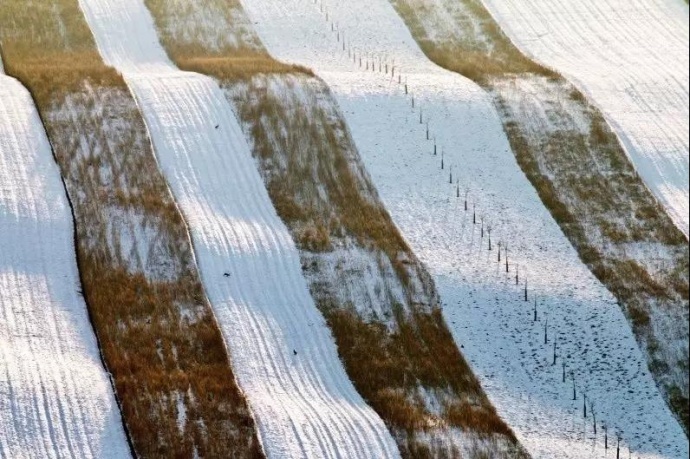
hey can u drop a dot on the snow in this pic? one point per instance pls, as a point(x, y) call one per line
point(55, 396)
point(482, 305)
point(631, 57)
point(282, 352)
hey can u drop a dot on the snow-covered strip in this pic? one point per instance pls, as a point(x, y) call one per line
point(55, 397)
point(631, 58)
point(484, 308)
point(282, 351)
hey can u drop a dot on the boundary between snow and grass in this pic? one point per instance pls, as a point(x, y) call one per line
point(283, 353)
point(377, 298)
point(462, 116)
point(630, 58)
point(619, 229)
point(113, 449)
point(155, 328)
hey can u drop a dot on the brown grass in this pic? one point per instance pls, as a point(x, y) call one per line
point(229, 61)
point(320, 189)
point(156, 332)
point(585, 179)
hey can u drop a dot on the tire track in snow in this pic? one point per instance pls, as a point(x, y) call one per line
point(55, 397)
point(290, 371)
point(483, 307)
point(631, 58)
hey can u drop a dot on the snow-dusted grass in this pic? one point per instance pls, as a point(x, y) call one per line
point(55, 396)
point(158, 335)
point(214, 37)
point(584, 177)
point(484, 309)
point(377, 298)
point(283, 353)
point(632, 59)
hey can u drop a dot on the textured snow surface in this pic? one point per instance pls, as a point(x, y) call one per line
point(55, 397)
point(282, 352)
point(484, 308)
point(631, 58)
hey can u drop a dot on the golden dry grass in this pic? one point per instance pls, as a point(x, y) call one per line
point(203, 48)
point(320, 189)
point(157, 334)
point(585, 179)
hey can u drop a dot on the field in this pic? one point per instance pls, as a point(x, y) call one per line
point(326, 228)
point(377, 298)
point(387, 113)
point(576, 163)
point(156, 331)
point(56, 395)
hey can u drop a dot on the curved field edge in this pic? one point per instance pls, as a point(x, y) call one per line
point(158, 336)
point(57, 396)
point(582, 175)
point(378, 300)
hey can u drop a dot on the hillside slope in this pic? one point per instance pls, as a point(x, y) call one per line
point(566, 148)
point(376, 296)
point(56, 399)
point(425, 193)
point(283, 354)
point(156, 330)
point(631, 59)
